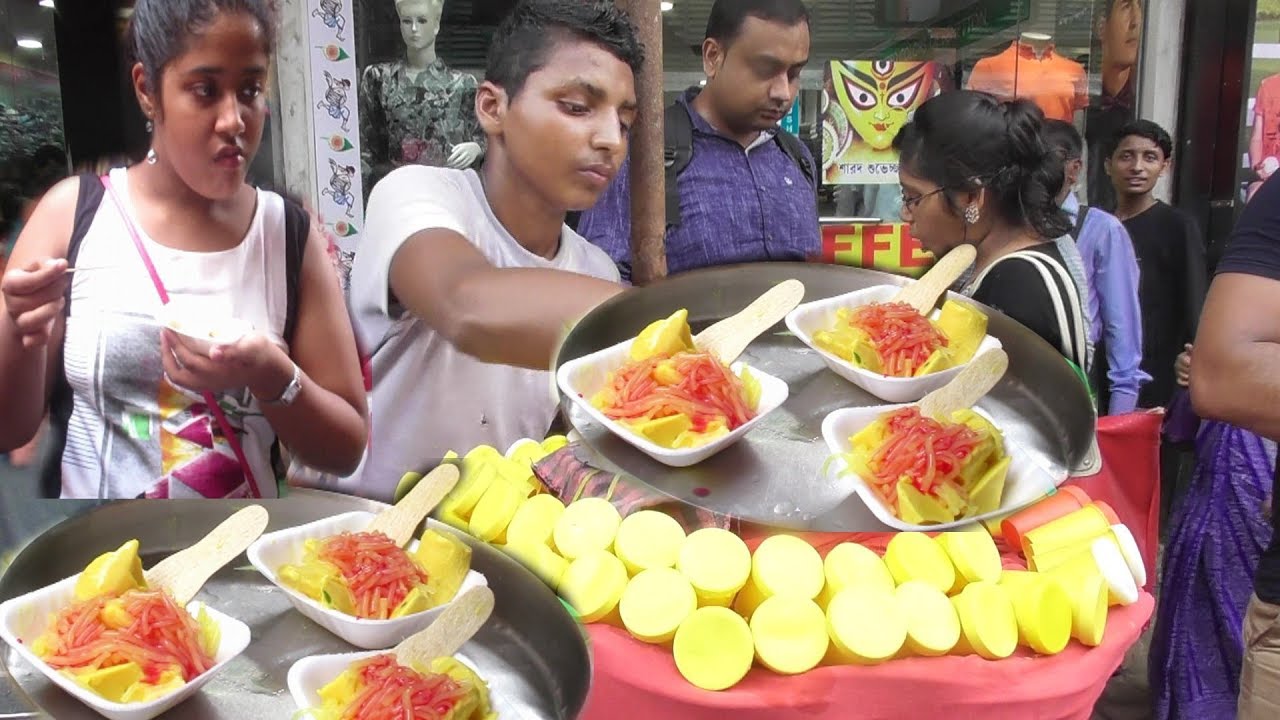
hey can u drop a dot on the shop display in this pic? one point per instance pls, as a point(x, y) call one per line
point(1031, 68)
point(381, 688)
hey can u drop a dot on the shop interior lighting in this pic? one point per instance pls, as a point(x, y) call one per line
point(666, 6)
point(30, 43)
point(46, 3)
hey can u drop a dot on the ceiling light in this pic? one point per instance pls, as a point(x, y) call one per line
point(666, 6)
point(46, 3)
point(30, 43)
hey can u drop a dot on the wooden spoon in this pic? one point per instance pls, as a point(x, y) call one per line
point(728, 338)
point(923, 294)
point(186, 571)
point(462, 618)
point(969, 386)
point(400, 521)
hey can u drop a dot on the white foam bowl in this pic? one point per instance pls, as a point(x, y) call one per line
point(582, 378)
point(313, 672)
point(25, 618)
point(284, 547)
point(201, 331)
point(810, 318)
point(1027, 481)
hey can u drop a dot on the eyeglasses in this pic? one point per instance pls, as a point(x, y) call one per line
point(909, 203)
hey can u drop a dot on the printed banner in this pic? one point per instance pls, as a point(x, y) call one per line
point(888, 248)
point(864, 105)
point(337, 124)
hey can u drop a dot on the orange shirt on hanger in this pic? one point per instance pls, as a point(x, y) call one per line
point(1055, 83)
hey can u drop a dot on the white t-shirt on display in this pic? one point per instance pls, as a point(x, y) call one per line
point(429, 397)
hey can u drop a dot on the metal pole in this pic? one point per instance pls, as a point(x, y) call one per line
point(648, 189)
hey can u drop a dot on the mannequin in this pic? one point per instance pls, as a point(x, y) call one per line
point(1031, 68)
point(417, 110)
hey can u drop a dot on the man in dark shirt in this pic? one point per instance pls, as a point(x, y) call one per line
point(1170, 252)
point(1236, 379)
point(742, 197)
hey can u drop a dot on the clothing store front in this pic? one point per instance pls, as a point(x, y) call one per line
point(390, 83)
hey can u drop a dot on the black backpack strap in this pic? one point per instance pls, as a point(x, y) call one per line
point(61, 398)
point(795, 150)
point(1081, 215)
point(677, 131)
point(297, 228)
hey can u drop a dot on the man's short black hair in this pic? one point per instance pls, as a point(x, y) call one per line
point(1062, 136)
point(1143, 129)
point(525, 37)
point(728, 16)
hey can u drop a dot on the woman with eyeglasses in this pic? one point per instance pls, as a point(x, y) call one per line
point(975, 170)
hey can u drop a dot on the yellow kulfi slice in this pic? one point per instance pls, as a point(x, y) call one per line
point(790, 634)
point(648, 539)
point(986, 493)
point(974, 555)
point(586, 525)
point(593, 584)
point(1042, 609)
point(717, 563)
point(535, 520)
point(916, 556)
point(664, 432)
point(446, 560)
point(866, 626)
point(781, 565)
point(918, 508)
point(933, 627)
point(655, 603)
point(663, 337)
point(965, 327)
point(112, 573)
point(988, 624)
point(554, 443)
point(473, 481)
point(111, 682)
point(713, 648)
point(849, 565)
point(492, 515)
point(541, 560)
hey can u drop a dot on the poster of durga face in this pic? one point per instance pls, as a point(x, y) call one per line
point(864, 105)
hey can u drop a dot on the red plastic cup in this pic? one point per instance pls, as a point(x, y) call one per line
point(1067, 500)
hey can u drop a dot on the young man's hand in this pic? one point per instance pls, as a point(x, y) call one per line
point(1182, 367)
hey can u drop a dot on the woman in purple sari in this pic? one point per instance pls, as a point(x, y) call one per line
point(1218, 529)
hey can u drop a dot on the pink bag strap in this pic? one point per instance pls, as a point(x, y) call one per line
point(227, 431)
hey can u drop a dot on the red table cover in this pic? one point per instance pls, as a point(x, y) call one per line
point(637, 680)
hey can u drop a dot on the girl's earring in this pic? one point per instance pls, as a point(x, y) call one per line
point(971, 215)
point(150, 126)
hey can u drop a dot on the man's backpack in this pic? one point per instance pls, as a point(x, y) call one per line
point(678, 153)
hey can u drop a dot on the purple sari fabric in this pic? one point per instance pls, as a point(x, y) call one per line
point(1218, 531)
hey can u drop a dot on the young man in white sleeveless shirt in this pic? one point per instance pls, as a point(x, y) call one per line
point(465, 282)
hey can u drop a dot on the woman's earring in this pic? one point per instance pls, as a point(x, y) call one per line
point(971, 215)
point(151, 156)
point(150, 127)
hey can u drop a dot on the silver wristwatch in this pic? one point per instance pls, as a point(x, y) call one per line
point(290, 391)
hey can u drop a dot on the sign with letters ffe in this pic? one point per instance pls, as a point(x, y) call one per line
point(888, 248)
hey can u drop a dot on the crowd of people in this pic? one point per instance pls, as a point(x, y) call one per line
point(467, 279)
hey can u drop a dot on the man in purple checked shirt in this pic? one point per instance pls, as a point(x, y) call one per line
point(742, 198)
point(1111, 269)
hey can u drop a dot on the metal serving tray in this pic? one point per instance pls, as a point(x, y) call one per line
point(773, 474)
point(532, 652)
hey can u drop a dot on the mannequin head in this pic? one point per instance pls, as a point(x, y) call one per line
point(419, 22)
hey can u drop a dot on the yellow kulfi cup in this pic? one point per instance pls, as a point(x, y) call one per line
point(586, 525)
point(1088, 607)
point(781, 565)
point(535, 520)
point(655, 603)
point(790, 634)
point(1042, 609)
point(974, 555)
point(593, 584)
point(933, 627)
point(717, 563)
point(916, 556)
point(648, 539)
point(848, 565)
point(713, 648)
point(866, 626)
point(988, 625)
point(540, 559)
point(1074, 528)
point(1104, 559)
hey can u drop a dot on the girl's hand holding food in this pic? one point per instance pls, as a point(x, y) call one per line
point(254, 361)
point(33, 299)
